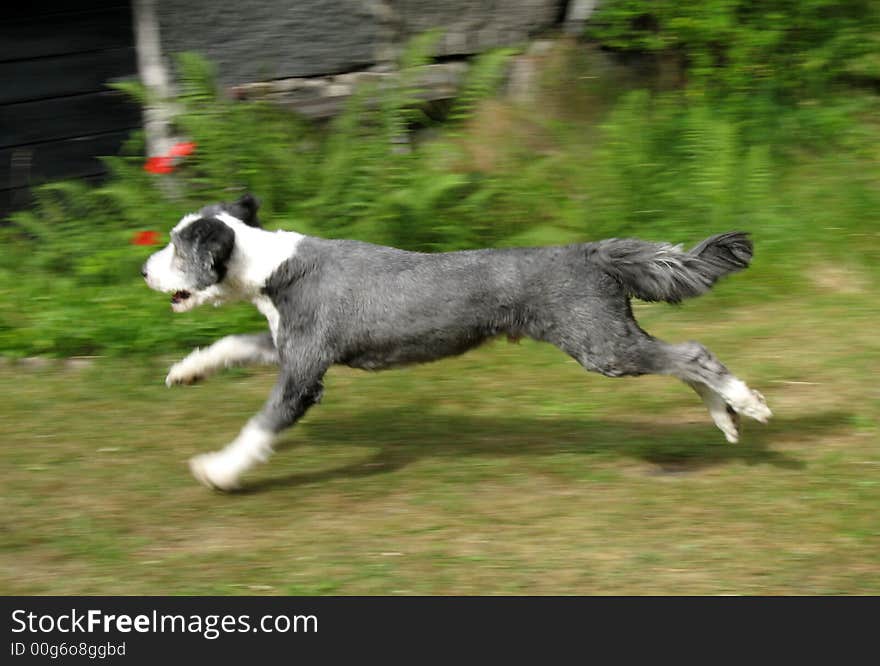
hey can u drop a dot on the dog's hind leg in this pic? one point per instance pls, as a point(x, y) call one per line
point(629, 351)
point(697, 366)
point(298, 388)
point(226, 352)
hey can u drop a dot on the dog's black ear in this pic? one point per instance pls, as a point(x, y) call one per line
point(211, 242)
point(245, 209)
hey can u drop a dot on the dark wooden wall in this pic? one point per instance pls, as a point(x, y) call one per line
point(56, 113)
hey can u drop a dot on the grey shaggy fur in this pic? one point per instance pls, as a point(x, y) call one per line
point(664, 272)
point(373, 307)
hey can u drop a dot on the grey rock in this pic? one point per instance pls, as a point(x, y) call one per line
point(322, 97)
point(270, 39)
point(281, 39)
point(472, 27)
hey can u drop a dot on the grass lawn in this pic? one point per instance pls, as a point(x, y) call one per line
point(506, 471)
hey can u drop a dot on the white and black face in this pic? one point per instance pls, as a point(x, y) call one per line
point(193, 265)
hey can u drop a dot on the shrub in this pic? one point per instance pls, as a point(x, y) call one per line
point(760, 58)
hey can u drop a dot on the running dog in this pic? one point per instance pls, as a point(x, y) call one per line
point(372, 307)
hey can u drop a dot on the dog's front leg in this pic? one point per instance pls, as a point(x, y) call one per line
point(298, 388)
point(226, 352)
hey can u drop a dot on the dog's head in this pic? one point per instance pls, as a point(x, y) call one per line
point(192, 267)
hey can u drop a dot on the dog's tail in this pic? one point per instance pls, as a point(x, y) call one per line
point(664, 272)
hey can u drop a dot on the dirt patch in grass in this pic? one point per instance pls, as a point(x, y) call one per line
point(838, 279)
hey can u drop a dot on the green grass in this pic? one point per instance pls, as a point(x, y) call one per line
point(507, 470)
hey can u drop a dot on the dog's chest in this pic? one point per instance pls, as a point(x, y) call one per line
point(267, 308)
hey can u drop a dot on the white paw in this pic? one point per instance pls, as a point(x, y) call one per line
point(728, 423)
point(746, 401)
point(724, 417)
point(184, 372)
point(754, 406)
point(214, 471)
point(757, 408)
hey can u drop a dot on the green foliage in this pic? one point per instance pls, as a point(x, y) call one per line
point(757, 57)
point(674, 167)
point(482, 79)
point(795, 48)
point(374, 180)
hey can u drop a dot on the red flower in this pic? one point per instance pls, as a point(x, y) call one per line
point(145, 238)
point(162, 164)
point(182, 149)
point(159, 164)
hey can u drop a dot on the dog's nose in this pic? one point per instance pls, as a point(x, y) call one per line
point(144, 271)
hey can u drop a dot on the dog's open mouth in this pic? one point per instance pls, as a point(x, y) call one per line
point(179, 296)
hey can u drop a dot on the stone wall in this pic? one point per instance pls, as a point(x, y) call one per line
point(262, 40)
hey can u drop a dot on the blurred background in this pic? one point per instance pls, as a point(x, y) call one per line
point(438, 127)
